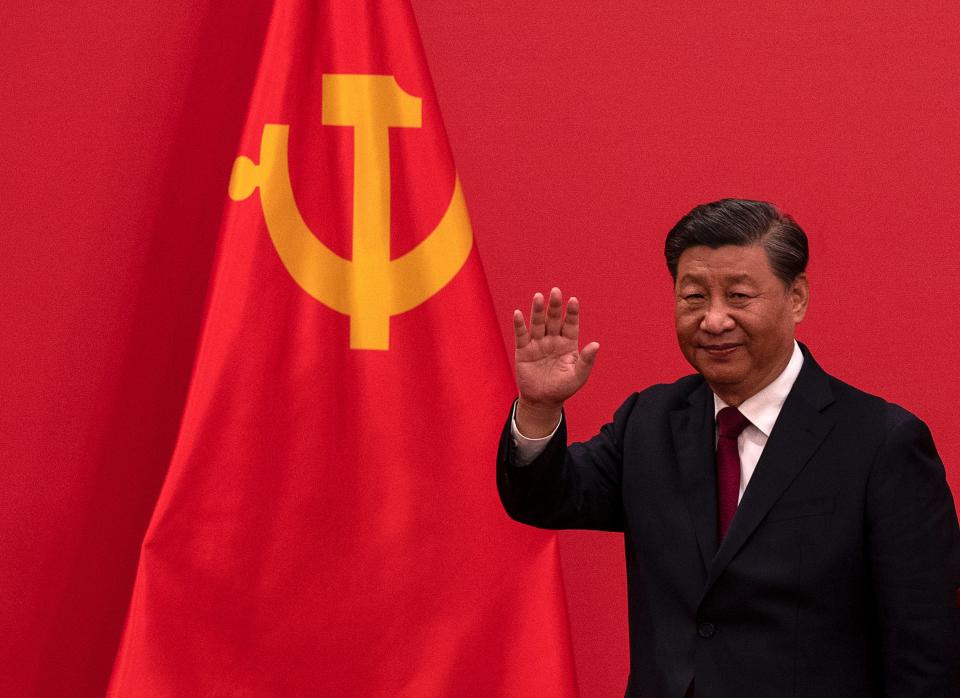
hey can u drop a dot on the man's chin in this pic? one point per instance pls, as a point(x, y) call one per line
point(721, 373)
point(728, 363)
point(725, 380)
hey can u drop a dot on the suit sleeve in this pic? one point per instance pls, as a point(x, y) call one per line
point(567, 487)
point(913, 544)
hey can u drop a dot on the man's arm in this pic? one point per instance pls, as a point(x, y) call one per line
point(527, 449)
point(914, 551)
point(542, 482)
point(567, 487)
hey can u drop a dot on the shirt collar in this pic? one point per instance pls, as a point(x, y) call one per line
point(763, 408)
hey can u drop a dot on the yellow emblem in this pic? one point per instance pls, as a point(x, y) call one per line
point(370, 287)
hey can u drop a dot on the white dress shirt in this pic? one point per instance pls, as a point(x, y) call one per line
point(761, 409)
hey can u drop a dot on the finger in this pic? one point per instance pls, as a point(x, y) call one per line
point(537, 326)
point(520, 330)
point(588, 355)
point(554, 311)
point(571, 319)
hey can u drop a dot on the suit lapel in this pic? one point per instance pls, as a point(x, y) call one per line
point(693, 436)
point(797, 434)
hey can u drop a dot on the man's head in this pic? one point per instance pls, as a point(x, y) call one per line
point(739, 275)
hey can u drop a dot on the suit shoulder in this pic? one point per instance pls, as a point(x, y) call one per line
point(666, 396)
point(872, 408)
point(652, 406)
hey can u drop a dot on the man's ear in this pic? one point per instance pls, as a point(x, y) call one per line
point(799, 296)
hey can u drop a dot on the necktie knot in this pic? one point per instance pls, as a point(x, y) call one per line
point(730, 422)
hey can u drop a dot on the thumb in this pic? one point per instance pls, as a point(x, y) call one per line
point(588, 355)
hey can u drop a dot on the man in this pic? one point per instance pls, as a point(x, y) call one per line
point(785, 533)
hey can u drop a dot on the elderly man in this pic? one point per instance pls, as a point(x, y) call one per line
point(786, 534)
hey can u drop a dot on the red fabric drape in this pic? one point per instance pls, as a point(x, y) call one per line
point(296, 515)
point(328, 525)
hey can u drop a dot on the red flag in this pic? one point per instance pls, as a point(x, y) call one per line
point(329, 524)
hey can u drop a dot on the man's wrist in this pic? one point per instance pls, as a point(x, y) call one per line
point(536, 421)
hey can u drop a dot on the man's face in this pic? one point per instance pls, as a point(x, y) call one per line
point(736, 318)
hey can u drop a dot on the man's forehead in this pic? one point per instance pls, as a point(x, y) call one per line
point(730, 263)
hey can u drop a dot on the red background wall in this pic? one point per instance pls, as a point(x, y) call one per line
point(582, 132)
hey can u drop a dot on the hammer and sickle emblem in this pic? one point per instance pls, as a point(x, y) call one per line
point(370, 287)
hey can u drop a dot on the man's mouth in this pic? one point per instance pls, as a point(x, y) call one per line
point(719, 350)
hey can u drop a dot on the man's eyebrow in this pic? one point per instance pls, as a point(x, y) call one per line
point(730, 278)
point(690, 278)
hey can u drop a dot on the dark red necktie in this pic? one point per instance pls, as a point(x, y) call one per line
point(729, 425)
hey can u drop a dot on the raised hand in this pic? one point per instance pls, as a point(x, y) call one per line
point(549, 363)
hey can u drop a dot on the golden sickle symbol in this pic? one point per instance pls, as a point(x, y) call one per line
point(370, 287)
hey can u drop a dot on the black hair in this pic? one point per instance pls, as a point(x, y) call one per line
point(741, 222)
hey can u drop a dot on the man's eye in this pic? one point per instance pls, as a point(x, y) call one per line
point(739, 296)
point(693, 297)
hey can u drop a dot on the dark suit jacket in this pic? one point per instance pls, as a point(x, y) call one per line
point(838, 576)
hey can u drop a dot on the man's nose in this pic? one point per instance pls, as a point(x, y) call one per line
point(716, 319)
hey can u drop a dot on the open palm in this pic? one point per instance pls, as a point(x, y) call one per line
point(550, 365)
